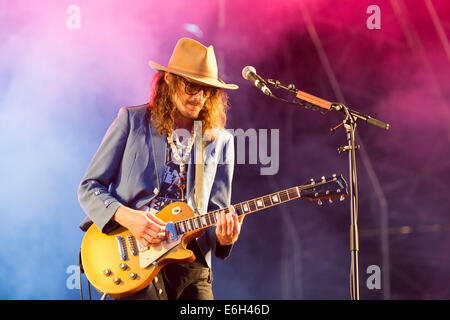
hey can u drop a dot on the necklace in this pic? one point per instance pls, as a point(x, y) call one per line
point(181, 160)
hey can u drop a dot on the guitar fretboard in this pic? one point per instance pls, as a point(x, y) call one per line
point(242, 208)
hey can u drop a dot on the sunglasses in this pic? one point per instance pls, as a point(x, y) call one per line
point(193, 88)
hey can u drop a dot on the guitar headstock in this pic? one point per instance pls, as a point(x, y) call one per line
point(324, 188)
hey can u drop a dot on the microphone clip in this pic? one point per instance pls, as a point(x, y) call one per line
point(277, 84)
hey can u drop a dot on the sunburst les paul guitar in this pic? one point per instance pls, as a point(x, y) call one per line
point(117, 265)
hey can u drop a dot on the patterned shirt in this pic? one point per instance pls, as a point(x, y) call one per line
point(169, 191)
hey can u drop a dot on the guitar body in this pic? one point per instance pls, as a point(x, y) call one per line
point(116, 265)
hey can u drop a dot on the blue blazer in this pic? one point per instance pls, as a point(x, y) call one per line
point(128, 168)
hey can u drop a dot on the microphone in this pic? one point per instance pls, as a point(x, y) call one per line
point(249, 73)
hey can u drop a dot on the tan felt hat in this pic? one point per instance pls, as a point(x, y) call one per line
point(192, 60)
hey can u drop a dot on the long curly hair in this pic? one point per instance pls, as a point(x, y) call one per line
point(163, 110)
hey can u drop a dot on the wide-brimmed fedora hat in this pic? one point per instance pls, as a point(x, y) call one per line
point(195, 62)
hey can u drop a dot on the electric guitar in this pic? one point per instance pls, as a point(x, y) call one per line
point(118, 265)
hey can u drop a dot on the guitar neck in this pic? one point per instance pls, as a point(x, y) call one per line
point(267, 201)
point(209, 219)
point(326, 188)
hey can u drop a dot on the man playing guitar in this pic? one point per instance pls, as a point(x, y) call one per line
point(145, 162)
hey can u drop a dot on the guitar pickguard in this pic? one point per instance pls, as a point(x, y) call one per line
point(155, 252)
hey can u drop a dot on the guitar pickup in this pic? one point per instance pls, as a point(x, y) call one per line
point(141, 247)
point(170, 231)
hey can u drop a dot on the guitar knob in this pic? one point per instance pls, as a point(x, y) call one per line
point(116, 280)
point(133, 275)
point(107, 272)
point(123, 266)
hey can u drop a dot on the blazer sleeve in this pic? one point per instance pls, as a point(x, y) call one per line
point(220, 196)
point(93, 195)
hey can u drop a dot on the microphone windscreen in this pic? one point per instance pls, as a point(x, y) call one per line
point(247, 70)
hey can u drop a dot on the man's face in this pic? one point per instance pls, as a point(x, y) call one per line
point(188, 99)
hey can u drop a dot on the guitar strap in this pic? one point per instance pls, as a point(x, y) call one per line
point(199, 168)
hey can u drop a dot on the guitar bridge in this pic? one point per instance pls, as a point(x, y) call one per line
point(122, 247)
point(132, 243)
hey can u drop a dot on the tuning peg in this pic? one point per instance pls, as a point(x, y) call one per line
point(319, 202)
point(312, 181)
point(342, 198)
point(323, 179)
point(329, 200)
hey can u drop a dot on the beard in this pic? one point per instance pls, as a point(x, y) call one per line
point(195, 103)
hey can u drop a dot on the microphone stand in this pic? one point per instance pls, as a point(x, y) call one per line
point(350, 128)
point(309, 101)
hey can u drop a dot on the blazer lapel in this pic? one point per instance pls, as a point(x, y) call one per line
point(159, 149)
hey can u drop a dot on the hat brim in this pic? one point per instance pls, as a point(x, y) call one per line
point(217, 83)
